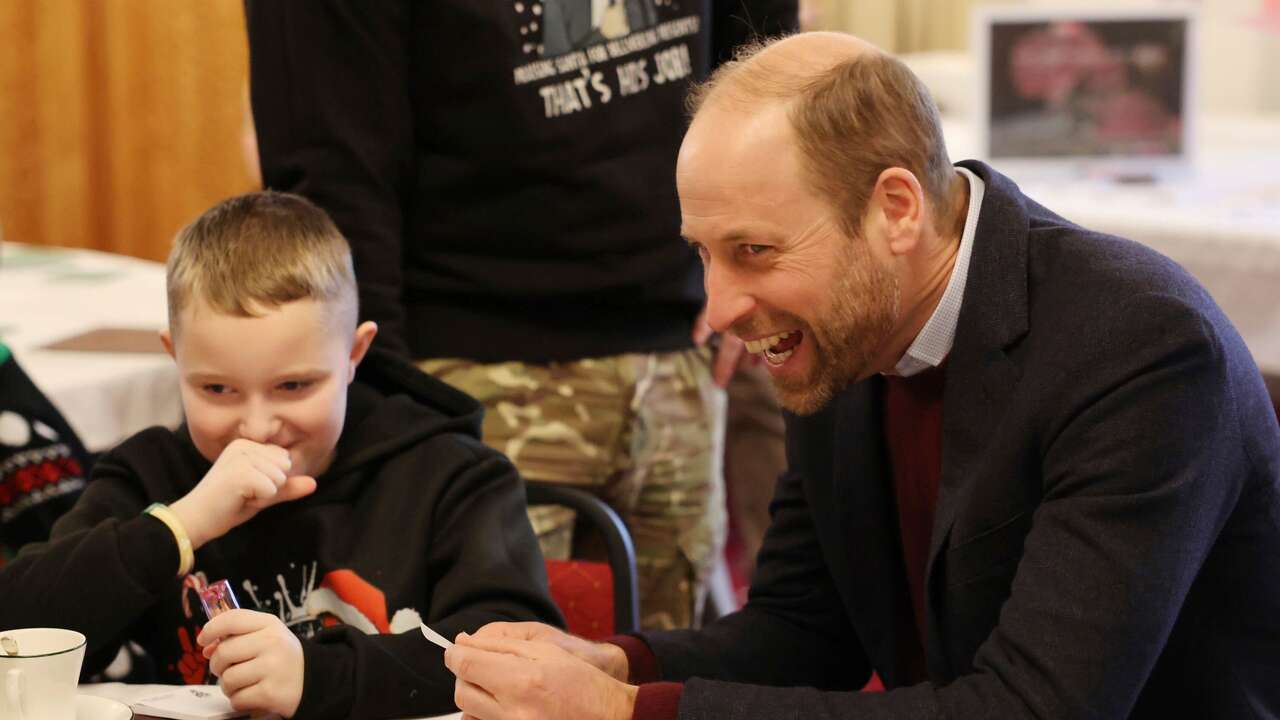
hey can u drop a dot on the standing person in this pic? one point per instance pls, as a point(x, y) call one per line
point(345, 496)
point(43, 465)
point(508, 189)
point(1032, 469)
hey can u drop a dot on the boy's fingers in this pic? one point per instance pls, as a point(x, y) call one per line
point(271, 470)
point(240, 677)
point(297, 486)
point(232, 622)
point(232, 651)
point(258, 487)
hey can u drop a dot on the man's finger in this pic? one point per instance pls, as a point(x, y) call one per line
point(726, 361)
point(493, 671)
point(528, 649)
point(701, 330)
point(474, 701)
point(514, 630)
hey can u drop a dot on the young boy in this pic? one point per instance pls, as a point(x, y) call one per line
point(369, 505)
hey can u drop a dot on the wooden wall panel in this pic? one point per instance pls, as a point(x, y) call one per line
point(120, 120)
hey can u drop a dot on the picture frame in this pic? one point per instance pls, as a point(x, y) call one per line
point(1086, 90)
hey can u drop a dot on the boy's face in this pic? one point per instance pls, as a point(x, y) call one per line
point(280, 379)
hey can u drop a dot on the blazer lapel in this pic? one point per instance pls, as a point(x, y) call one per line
point(980, 375)
point(870, 550)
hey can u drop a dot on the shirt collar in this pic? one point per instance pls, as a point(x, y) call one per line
point(937, 336)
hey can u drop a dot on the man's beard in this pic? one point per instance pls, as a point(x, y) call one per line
point(848, 334)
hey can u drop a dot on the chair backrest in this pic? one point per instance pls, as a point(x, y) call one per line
point(576, 584)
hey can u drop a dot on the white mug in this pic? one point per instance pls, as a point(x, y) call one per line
point(39, 682)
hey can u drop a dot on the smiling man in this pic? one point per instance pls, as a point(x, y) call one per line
point(1033, 471)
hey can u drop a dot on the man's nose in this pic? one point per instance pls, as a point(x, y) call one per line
point(259, 423)
point(728, 300)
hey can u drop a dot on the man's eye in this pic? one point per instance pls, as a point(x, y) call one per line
point(755, 249)
point(295, 385)
point(216, 389)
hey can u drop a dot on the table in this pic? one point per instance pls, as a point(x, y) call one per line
point(129, 694)
point(47, 294)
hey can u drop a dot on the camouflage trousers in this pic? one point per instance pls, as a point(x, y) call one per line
point(643, 431)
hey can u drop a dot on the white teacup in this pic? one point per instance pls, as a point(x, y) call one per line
point(39, 682)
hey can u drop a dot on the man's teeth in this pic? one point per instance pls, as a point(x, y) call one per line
point(777, 358)
point(763, 344)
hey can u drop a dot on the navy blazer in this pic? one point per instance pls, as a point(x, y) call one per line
point(1107, 539)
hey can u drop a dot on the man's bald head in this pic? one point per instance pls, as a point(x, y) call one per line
point(854, 111)
point(777, 70)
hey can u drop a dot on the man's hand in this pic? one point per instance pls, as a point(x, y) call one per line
point(247, 478)
point(257, 659)
point(730, 353)
point(605, 656)
point(499, 678)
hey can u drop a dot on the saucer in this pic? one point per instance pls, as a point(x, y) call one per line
point(92, 707)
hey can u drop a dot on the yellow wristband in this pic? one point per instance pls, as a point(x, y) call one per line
point(186, 557)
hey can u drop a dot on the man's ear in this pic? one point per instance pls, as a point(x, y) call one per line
point(166, 339)
point(898, 200)
point(364, 335)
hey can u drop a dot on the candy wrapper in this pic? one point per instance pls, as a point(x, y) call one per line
point(217, 598)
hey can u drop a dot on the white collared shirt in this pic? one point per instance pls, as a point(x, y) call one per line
point(937, 336)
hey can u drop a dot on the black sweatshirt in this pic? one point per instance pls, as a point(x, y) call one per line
point(416, 518)
point(503, 169)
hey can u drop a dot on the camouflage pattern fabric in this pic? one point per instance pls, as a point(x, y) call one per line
point(643, 431)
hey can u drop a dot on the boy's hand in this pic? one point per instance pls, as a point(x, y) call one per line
point(257, 659)
point(247, 478)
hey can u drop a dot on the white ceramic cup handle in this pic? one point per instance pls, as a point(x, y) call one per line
point(13, 687)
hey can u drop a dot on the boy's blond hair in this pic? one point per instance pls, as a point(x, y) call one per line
point(257, 251)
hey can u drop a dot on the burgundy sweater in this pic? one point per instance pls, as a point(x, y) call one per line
point(913, 430)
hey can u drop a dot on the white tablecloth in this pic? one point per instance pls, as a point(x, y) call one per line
point(130, 694)
point(47, 294)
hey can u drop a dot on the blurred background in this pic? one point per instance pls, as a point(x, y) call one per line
point(122, 119)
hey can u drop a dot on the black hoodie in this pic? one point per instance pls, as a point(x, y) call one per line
point(415, 519)
point(504, 172)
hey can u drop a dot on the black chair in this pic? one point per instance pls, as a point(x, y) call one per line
point(619, 550)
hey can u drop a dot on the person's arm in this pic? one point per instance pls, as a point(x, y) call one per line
point(104, 566)
point(485, 566)
point(330, 90)
point(793, 629)
point(1139, 475)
